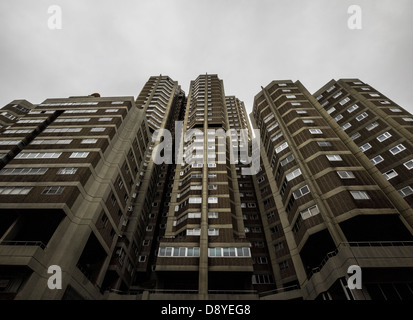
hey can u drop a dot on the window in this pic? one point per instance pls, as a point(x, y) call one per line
point(52, 141)
point(287, 160)
point(15, 190)
point(23, 171)
point(79, 155)
point(105, 119)
point(213, 232)
point(301, 192)
point(334, 157)
point(293, 174)
point(61, 130)
point(408, 119)
point(346, 126)
point(345, 174)
point(212, 200)
point(112, 110)
point(283, 265)
point(9, 142)
point(31, 121)
point(409, 164)
point(395, 110)
point(262, 260)
point(355, 136)
point(374, 95)
point(53, 190)
point(406, 191)
point(193, 232)
point(331, 88)
point(72, 120)
point(324, 143)
point(344, 101)
point(397, 149)
point(269, 118)
point(376, 160)
point(290, 96)
point(8, 115)
point(86, 141)
point(362, 116)
point(142, 258)
point(272, 127)
point(212, 215)
point(281, 147)
point(309, 212)
point(262, 279)
point(195, 200)
point(337, 95)
point(301, 111)
point(384, 136)
point(331, 110)
point(38, 155)
point(338, 118)
point(277, 136)
point(390, 174)
point(365, 147)
point(98, 129)
point(295, 104)
point(352, 108)
point(360, 195)
point(67, 171)
point(18, 131)
point(315, 131)
point(372, 125)
point(308, 121)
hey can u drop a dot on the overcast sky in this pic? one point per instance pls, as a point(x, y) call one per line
point(113, 47)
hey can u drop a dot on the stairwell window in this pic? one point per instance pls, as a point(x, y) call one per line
point(315, 131)
point(301, 192)
point(294, 174)
point(334, 157)
point(360, 195)
point(345, 174)
point(309, 212)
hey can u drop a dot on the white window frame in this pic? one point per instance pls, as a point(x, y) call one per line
point(359, 195)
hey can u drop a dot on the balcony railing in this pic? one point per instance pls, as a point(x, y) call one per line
point(279, 290)
point(23, 243)
point(357, 244)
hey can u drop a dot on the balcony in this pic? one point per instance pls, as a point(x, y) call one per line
point(366, 254)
